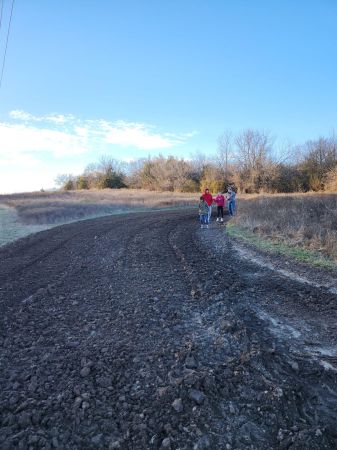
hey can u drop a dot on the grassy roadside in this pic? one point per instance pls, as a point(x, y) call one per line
point(12, 228)
point(38, 208)
point(310, 257)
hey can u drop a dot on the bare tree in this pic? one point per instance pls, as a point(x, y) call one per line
point(133, 173)
point(225, 152)
point(66, 181)
point(319, 157)
point(331, 180)
point(107, 173)
point(253, 158)
point(107, 164)
point(167, 174)
point(198, 163)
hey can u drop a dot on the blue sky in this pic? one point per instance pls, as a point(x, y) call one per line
point(136, 78)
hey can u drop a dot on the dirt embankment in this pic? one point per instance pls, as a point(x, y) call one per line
point(146, 332)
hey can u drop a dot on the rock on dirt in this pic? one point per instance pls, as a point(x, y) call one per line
point(151, 333)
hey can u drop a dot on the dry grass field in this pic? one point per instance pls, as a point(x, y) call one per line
point(306, 221)
point(58, 207)
point(301, 220)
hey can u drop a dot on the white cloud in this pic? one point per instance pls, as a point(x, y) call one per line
point(119, 133)
point(18, 181)
point(27, 117)
point(22, 139)
point(137, 135)
point(27, 140)
point(20, 115)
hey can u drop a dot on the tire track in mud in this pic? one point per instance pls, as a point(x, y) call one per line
point(152, 337)
point(224, 342)
point(285, 358)
point(301, 312)
point(36, 244)
point(46, 261)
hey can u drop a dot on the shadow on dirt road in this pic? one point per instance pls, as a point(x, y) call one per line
point(148, 333)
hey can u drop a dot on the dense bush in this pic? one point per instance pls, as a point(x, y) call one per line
point(248, 161)
point(69, 185)
point(166, 174)
point(331, 180)
point(212, 179)
point(110, 181)
point(82, 182)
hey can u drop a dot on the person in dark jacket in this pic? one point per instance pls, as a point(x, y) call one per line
point(231, 199)
point(203, 212)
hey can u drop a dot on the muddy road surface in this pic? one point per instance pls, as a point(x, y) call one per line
point(145, 332)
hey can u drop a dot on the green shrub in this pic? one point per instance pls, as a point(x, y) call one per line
point(69, 185)
point(82, 183)
point(110, 181)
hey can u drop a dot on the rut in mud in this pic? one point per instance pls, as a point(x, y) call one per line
point(145, 332)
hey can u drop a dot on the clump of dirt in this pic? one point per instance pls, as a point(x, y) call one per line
point(147, 332)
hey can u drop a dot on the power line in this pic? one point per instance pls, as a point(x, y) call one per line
point(4, 58)
point(2, 7)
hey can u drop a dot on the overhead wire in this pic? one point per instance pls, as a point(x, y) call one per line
point(2, 8)
point(7, 38)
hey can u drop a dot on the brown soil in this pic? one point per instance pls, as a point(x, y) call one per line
point(146, 332)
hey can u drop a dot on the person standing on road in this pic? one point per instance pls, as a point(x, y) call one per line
point(231, 198)
point(207, 196)
point(220, 201)
point(203, 212)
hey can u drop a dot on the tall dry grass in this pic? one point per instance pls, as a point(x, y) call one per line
point(303, 220)
point(57, 207)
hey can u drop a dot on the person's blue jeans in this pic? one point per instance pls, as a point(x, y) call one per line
point(204, 219)
point(209, 213)
point(231, 208)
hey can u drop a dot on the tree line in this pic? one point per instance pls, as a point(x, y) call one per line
point(248, 160)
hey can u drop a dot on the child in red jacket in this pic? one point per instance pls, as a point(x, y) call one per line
point(220, 201)
point(208, 197)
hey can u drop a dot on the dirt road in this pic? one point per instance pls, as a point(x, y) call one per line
point(145, 332)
